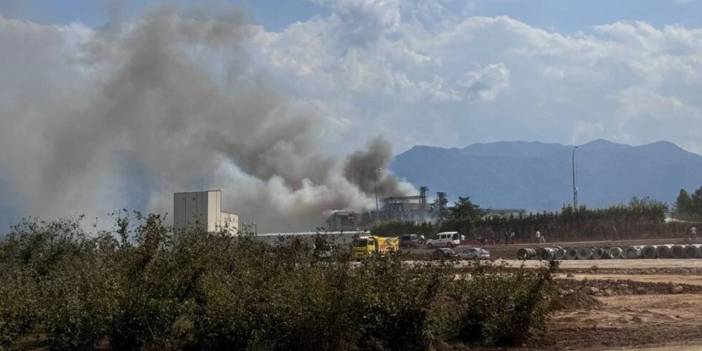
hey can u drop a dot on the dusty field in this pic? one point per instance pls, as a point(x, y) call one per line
point(642, 322)
point(687, 279)
point(640, 305)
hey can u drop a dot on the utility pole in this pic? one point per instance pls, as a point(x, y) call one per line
point(575, 187)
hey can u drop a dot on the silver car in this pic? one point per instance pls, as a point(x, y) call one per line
point(466, 252)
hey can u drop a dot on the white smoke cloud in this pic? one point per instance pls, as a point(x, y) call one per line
point(150, 95)
point(196, 99)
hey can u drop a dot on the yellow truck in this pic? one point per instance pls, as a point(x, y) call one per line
point(366, 246)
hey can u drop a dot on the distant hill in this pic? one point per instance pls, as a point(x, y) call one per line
point(537, 176)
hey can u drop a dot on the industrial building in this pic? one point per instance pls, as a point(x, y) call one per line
point(414, 208)
point(343, 220)
point(202, 210)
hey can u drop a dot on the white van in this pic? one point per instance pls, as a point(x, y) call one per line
point(445, 239)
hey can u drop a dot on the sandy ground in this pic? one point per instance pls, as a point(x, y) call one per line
point(642, 322)
point(645, 278)
point(653, 319)
point(691, 347)
point(653, 304)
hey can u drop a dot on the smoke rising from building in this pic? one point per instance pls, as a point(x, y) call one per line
point(367, 169)
point(175, 91)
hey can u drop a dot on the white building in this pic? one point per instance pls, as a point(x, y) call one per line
point(203, 210)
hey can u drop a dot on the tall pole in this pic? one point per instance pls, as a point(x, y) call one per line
point(575, 187)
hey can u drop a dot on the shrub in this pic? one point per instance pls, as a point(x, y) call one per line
point(144, 287)
point(18, 307)
point(500, 307)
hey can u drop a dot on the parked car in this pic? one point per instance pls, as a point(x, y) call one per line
point(411, 240)
point(445, 239)
point(443, 253)
point(467, 252)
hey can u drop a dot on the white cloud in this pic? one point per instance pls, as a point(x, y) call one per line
point(359, 22)
point(557, 83)
point(411, 70)
point(487, 82)
point(405, 61)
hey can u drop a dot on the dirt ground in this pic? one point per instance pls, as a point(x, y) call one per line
point(641, 304)
point(628, 322)
point(680, 265)
point(630, 304)
point(645, 278)
point(636, 307)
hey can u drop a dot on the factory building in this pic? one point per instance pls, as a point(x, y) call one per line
point(343, 220)
point(414, 208)
point(405, 208)
point(202, 210)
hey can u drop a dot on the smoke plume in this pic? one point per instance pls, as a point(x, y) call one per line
point(156, 95)
point(365, 168)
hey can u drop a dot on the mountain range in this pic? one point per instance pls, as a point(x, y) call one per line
point(538, 176)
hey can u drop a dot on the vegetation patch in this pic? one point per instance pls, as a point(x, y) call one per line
point(613, 223)
point(141, 286)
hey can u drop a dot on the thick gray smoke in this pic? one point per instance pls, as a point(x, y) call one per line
point(365, 169)
point(156, 90)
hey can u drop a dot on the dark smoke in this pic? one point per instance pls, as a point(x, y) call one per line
point(368, 169)
point(152, 90)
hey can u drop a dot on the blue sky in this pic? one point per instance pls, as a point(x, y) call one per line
point(567, 16)
point(275, 15)
point(576, 15)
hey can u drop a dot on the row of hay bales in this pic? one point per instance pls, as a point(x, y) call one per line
point(598, 253)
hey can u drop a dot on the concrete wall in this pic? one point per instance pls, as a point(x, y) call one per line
point(202, 210)
point(190, 210)
point(214, 209)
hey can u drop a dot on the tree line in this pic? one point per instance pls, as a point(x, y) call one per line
point(639, 216)
point(689, 206)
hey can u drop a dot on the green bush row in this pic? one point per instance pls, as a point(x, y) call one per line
point(143, 287)
point(639, 216)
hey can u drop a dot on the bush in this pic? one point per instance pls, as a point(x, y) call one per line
point(144, 287)
point(500, 307)
point(18, 293)
point(615, 222)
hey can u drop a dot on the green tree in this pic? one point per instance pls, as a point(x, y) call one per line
point(683, 204)
point(465, 209)
point(462, 216)
point(696, 203)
